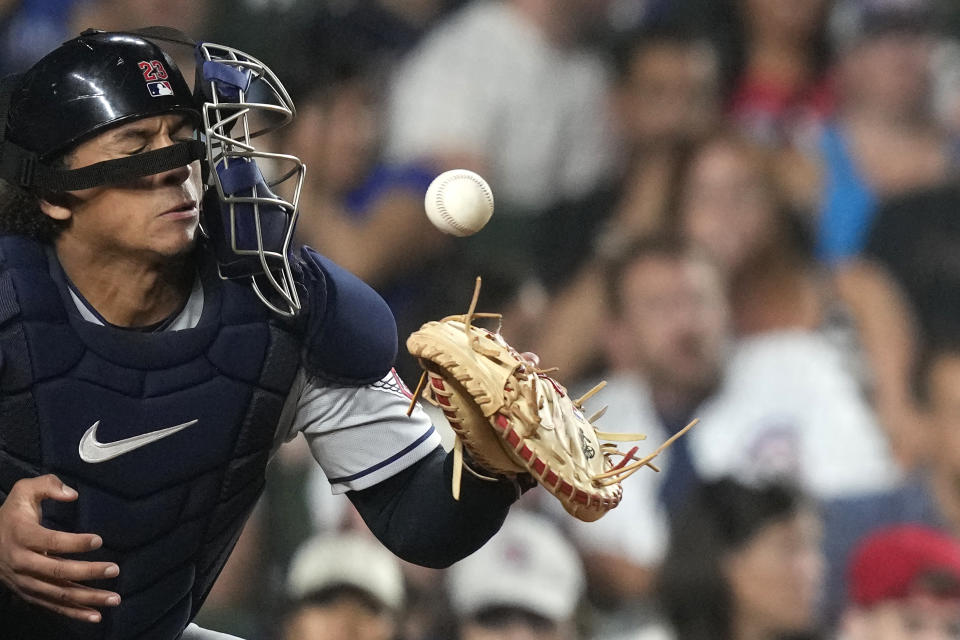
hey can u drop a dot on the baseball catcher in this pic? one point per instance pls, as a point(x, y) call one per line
point(161, 338)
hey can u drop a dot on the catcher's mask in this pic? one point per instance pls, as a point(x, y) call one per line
point(103, 79)
point(248, 217)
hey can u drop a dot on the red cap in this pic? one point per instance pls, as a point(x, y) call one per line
point(888, 563)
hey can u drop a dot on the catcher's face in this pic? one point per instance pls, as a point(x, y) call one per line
point(675, 312)
point(151, 218)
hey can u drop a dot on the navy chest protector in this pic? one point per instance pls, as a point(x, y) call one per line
point(165, 436)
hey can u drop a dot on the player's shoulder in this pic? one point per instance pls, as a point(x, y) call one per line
point(350, 335)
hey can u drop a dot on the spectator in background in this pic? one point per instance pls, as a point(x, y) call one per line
point(668, 334)
point(363, 210)
point(929, 496)
point(665, 97)
point(789, 406)
point(768, 407)
point(744, 564)
point(358, 208)
point(802, 334)
point(904, 585)
point(884, 140)
point(526, 582)
point(666, 90)
point(734, 204)
point(668, 329)
point(302, 37)
point(784, 399)
point(788, 387)
point(915, 237)
point(343, 587)
point(505, 88)
point(775, 61)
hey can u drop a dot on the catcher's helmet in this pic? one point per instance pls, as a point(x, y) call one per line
point(96, 81)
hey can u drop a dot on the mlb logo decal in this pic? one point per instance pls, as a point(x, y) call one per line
point(155, 76)
point(158, 89)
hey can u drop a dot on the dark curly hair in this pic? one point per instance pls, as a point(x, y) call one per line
point(20, 214)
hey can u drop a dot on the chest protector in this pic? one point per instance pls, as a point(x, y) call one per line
point(165, 436)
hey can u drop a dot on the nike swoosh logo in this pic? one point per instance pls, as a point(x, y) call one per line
point(93, 451)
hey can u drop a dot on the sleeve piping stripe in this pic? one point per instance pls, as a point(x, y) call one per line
point(413, 445)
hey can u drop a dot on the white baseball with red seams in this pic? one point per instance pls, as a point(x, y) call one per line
point(459, 202)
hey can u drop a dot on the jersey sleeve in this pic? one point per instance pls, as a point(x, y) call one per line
point(361, 435)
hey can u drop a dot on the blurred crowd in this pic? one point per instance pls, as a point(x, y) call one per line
point(742, 211)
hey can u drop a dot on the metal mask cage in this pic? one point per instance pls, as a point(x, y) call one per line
point(243, 100)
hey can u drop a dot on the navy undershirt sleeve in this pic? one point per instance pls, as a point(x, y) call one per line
point(415, 516)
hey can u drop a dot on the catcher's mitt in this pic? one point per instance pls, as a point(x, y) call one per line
point(513, 419)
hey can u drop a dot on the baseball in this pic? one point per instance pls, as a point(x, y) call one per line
point(459, 202)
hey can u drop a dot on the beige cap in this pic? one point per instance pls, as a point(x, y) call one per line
point(346, 558)
point(528, 564)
